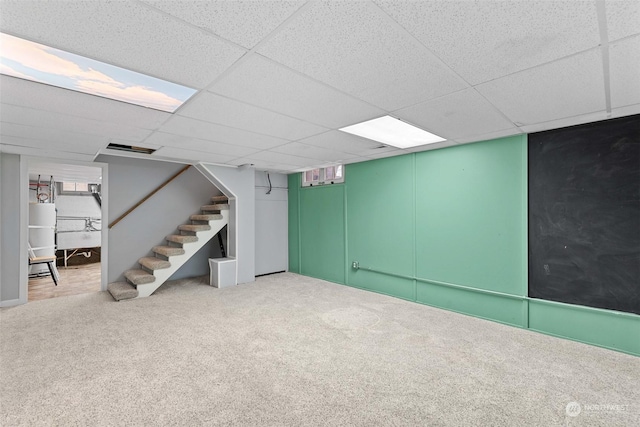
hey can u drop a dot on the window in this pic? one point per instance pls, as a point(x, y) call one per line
point(322, 176)
point(75, 187)
point(78, 188)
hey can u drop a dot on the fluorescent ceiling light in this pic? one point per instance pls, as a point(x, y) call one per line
point(392, 131)
point(39, 63)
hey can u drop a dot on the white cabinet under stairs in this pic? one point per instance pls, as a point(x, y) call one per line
point(156, 270)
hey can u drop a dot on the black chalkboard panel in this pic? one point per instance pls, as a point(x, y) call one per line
point(584, 214)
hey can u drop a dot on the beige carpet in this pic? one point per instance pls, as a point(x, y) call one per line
point(290, 350)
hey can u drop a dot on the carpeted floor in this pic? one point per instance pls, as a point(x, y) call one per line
point(291, 350)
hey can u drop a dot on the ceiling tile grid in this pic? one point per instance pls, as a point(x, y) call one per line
point(484, 40)
point(467, 71)
point(356, 48)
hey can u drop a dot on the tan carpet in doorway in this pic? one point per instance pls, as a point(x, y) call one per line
point(291, 350)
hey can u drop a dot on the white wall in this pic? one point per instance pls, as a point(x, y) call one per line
point(271, 223)
point(10, 229)
point(240, 182)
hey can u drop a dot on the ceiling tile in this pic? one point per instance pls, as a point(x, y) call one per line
point(392, 153)
point(429, 147)
point(565, 88)
point(50, 120)
point(65, 172)
point(45, 153)
point(218, 109)
point(187, 143)
point(347, 143)
point(488, 136)
point(624, 68)
point(483, 40)
point(46, 146)
point(243, 22)
point(625, 111)
point(459, 114)
point(567, 121)
point(265, 165)
point(50, 98)
point(281, 159)
point(357, 160)
point(210, 131)
point(48, 135)
point(191, 155)
point(261, 82)
point(623, 18)
point(354, 47)
point(123, 33)
point(313, 152)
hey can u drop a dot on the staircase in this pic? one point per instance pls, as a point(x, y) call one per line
point(156, 270)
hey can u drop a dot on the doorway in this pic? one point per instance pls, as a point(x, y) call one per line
point(65, 212)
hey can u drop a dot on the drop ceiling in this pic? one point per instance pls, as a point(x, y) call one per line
point(277, 79)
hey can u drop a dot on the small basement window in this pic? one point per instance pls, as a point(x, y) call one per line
point(323, 176)
point(75, 187)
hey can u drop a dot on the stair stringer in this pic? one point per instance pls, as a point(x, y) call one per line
point(178, 261)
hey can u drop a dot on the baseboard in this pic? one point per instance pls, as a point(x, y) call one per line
point(11, 302)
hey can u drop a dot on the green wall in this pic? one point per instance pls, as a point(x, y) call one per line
point(447, 228)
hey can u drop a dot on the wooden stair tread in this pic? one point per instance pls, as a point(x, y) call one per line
point(205, 217)
point(179, 238)
point(122, 290)
point(194, 227)
point(216, 207)
point(153, 263)
point(139, 277)
point(219, 199)
point(168, 250)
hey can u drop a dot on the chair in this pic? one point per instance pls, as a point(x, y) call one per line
point(49, 260)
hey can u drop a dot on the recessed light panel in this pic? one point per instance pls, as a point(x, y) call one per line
point(392, 131)
point(39, 63)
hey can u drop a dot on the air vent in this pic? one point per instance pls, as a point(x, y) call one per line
point(130, 148)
